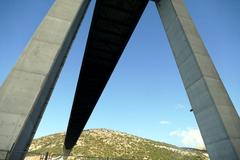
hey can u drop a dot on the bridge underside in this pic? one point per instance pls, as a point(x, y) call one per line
point(112, 25)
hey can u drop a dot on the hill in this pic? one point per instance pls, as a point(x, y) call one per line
point(105, 143)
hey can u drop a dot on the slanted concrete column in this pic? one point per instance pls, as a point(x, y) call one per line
point(25, 93)
point(215, 114)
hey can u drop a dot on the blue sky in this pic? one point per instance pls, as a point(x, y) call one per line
point(145, 95)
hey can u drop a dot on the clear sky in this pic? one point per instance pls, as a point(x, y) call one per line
point(145, 95)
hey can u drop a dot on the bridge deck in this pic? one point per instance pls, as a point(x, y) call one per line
point(112, 25)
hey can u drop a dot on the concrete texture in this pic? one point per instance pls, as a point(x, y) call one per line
point(215, 114)
point(25, 93)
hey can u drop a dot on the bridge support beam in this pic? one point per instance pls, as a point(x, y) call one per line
point(25, 93)
point(215, 114)
point(66, 153)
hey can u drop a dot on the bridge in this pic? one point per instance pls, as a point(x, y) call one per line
point(113, 23)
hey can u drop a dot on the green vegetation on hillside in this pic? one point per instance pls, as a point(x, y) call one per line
point(106, 143)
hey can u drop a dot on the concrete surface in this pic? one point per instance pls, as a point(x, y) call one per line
point(25, 93)
point(215, 114)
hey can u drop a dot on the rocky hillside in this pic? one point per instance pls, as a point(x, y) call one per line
point(112, 144)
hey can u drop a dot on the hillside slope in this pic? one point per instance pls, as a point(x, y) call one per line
point(107, 143)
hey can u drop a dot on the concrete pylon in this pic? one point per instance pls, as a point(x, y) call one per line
point(66, 153)
point(25, 93)
point(215, 114)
